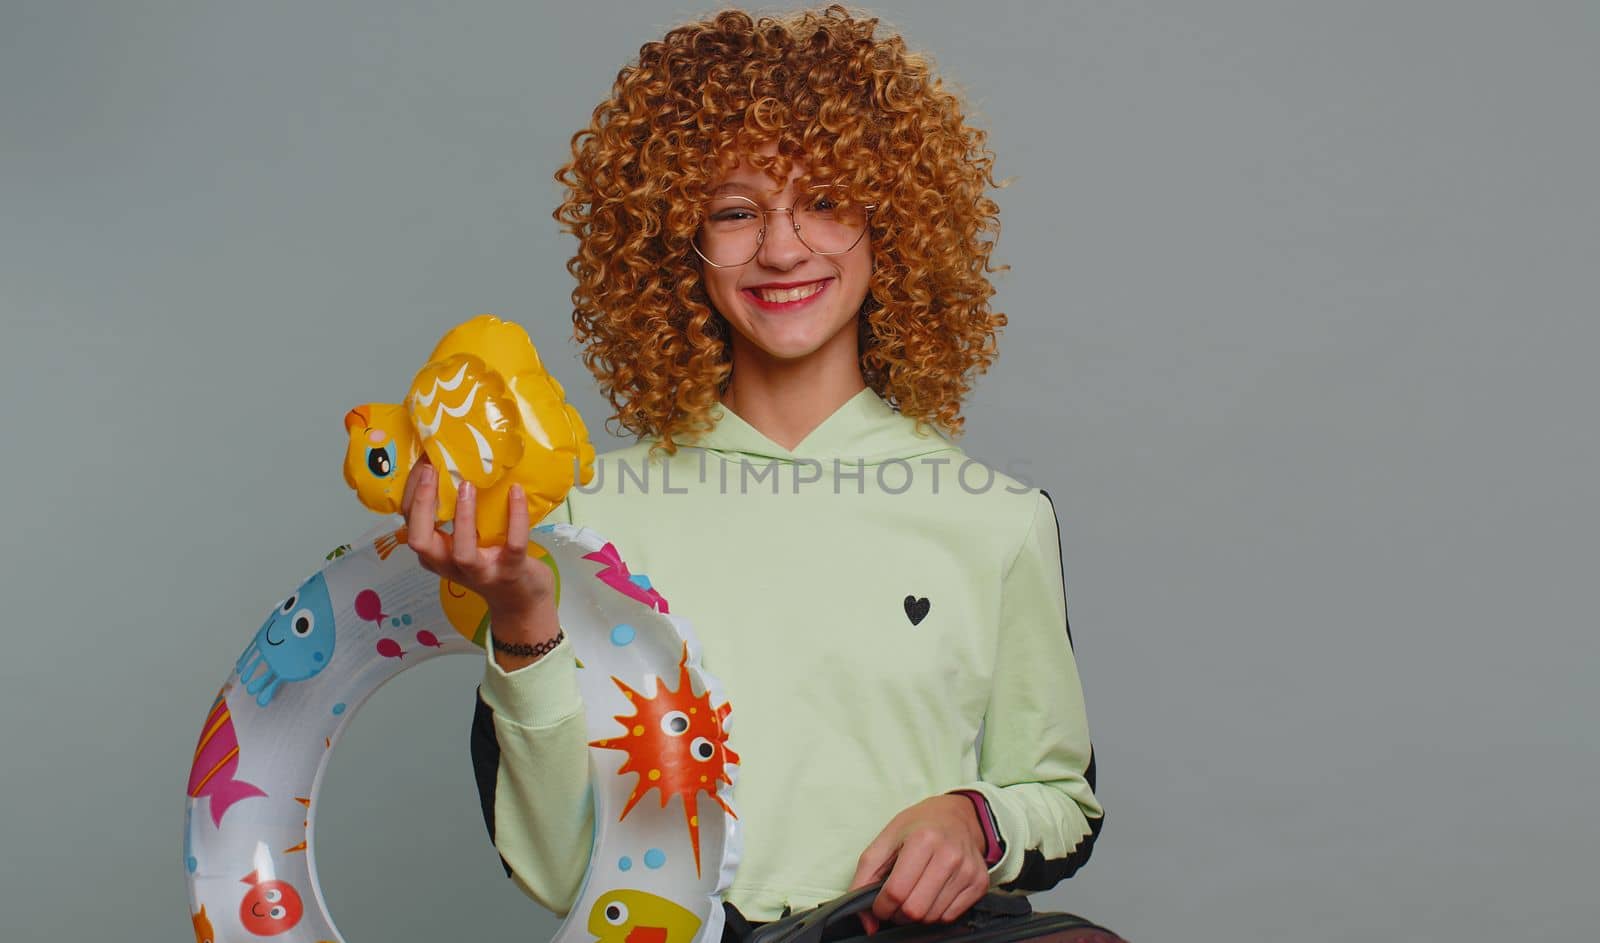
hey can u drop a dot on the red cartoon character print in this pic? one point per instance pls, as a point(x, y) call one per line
point(269, 907)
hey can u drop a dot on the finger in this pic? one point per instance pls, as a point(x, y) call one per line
point(517, 523)
point(964, 900)
point(874, 862)
point(935, 877)
point(958, 882)
point(420, 533)
point(464, 535)
point(869, 870)
point(909, 864)
point(411, 484)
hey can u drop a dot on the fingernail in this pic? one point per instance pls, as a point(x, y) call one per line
point(464, 491)
point(427, 473)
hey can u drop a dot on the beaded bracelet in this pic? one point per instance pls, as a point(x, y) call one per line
point(524, 650)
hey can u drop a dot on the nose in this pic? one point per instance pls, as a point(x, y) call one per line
point(781, 247)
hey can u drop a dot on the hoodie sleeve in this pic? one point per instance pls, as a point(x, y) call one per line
point(1036, 765)
point(530, 760)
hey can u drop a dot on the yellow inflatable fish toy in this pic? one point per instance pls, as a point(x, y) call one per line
point(483, 409)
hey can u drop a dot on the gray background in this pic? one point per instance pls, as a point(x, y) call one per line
point(1303, 312)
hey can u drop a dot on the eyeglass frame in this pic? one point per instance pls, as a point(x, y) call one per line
point(761, 237)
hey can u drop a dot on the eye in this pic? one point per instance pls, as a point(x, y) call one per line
point(616, 914)
point(380, 461)
point(272, 896)
point(675, 723)
point(702, 749)
point(824, 201)
point(732, 211)
point(288, 604)
point(304, 622)
point(277, 913)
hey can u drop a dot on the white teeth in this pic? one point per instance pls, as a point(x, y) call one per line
point(780, 295)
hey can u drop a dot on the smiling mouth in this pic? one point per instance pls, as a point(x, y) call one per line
point(786, 299)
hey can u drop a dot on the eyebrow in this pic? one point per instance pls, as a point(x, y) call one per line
point(747, 188)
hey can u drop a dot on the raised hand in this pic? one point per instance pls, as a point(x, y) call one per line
point(519, 589)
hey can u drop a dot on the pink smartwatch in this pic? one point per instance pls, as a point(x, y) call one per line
point(994, 848)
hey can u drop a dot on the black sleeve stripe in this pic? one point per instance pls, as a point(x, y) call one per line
point(1060, 556)
point(486, 765)
point(1038, 872)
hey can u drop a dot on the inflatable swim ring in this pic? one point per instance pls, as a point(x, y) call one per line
point(657, 721)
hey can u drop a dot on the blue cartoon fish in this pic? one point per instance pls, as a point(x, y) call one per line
point(294, 644)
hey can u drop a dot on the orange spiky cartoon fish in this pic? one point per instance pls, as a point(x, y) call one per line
point(677, 742)
point(484, 410)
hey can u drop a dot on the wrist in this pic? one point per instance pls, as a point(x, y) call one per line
point(531, 652)
point(520, 638)
point(513, 656)
point(983, 817)
point(525, 624)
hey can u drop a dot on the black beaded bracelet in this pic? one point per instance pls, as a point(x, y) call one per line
point(523, 650)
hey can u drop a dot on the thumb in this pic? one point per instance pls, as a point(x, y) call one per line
point(874, 862)
point(872, 867)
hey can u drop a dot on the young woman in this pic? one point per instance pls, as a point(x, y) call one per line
point(783, 247)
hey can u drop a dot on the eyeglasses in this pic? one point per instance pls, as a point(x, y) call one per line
point(732, 228)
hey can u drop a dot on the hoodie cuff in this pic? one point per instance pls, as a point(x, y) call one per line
point(538, 695)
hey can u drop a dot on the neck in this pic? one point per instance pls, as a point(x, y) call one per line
point(785, 400)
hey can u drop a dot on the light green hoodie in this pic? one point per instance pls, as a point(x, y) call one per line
point(867, 600)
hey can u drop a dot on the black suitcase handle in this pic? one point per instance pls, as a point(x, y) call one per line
point(808, 926)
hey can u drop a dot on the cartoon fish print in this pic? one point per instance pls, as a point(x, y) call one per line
point(615, 575)
point(216, 761)
point(677, 743)
point(269, 907)
point(293, 644)
point(629, 916)
point(387, 544)
point(202, 927)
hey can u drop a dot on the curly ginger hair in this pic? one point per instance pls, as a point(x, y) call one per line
point(856, 110)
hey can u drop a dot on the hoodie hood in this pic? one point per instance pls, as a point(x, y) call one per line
point(864, 428)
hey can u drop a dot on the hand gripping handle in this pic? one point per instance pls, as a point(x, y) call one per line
point(808, 926)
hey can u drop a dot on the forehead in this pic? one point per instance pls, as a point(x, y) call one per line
point(745, 179)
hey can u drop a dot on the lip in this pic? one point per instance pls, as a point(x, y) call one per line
point(786, 306)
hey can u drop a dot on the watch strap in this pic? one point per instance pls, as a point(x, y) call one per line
point(994, 846)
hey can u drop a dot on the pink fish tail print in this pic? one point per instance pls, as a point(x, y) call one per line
point(615, 575)
point(227, 793)
point(216, 760)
